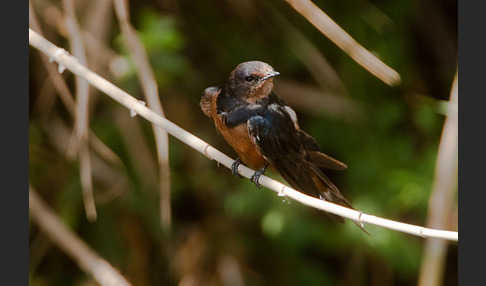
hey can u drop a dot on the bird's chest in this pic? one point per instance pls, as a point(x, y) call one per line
point(239, 139)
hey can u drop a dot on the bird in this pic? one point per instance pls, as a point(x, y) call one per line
point(264, 131)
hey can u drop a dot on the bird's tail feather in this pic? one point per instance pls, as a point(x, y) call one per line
point(308, 178)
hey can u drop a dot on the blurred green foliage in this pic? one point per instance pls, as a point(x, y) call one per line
point(390, 152)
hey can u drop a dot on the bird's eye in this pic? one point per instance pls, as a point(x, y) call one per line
point(250, 78)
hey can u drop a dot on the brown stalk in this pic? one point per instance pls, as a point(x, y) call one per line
point(442, 196)
point(98, 23)
point(149, 86)
point(316, 101)
point(137, 146)
point(104, 173)
point(317, 64)
point(56, 78)
point(82, 114)
point(88, 260)
point(65, 94)
point(343, 40)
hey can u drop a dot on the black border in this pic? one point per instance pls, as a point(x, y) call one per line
point(472, 141)
point(14, 125)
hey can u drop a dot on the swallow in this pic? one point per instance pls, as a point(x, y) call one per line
point(264, 131)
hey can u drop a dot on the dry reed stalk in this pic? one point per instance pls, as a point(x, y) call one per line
point(317, 101)
point(57, 132)
point(136, 146)
point(343, 40)
point(442, 196)
point(80, 146)
point(67, 98)
point(150, 89)
point(315, 62)
point(88, 260)
point(57, 80)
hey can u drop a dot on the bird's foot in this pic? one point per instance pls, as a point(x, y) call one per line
point(224, 117)
point(256, 176)
point(234, 167)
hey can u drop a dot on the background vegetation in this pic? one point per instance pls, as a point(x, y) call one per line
point(224, 230)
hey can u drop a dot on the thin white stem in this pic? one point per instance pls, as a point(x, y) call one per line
point(87, 259)
point(196, 143)
point(343, 40)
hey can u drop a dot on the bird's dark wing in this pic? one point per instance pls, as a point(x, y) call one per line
point(311, 147)
point(241, 114)
point(273, 132)
point(278, 141)
point(315, 155)
point(274, 99)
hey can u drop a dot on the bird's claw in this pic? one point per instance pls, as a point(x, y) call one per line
point(224, 117)
point(255, 178)
point(234, 167)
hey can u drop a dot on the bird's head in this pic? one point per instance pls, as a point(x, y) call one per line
point(251, 80)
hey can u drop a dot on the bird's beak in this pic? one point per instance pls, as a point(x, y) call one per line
point(270, 75)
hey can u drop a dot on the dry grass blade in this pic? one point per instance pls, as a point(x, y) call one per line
point(99, 54)
point(57, 80)
point(108, 176)
point(442, 196)
point(88, 260)
point(82, 118)
point(316, 101)
point(39, 248)
point(137, 146)
point(196, 143)
point(317, 64)
point(344, 41)
point(149, 85)
point(67, 98)
point(98, 25)
point(103, 150)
